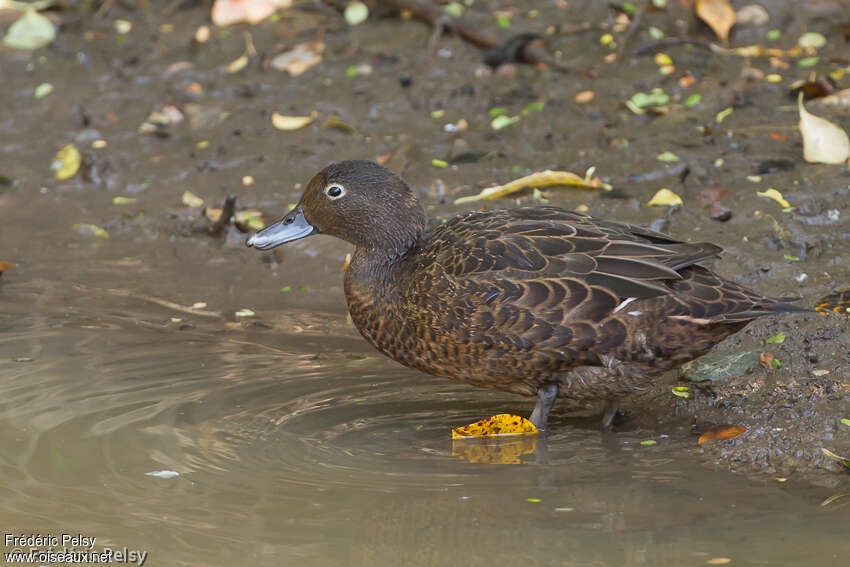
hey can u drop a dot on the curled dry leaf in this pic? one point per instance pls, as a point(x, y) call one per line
point(719, 15)
point(282, 122)
point(300, 58)
point(546, 178)
point(227, 12)
point(191, 200)
point(498, 425)
point(720, 434)
point(823, 141)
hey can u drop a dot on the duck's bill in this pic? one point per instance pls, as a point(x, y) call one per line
point(291, 227)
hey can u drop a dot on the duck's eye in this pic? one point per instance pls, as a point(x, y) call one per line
point(334, 191)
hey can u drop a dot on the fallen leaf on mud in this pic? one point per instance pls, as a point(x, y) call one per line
point(844, 420)
point(665, 198)
point(681, 391)
point(123, 200)
point(584, 97)
point(244, 313)
point(67, 162)
point(42, 90)
point(776, 196)
point(6, 266)
point(494, 450)
point(336, 123)
point(649, 443)
point(355, 13)
point(769, 361)
point(719, 15)
point(499, 425)
point(159, 121)
point(30, 31)
point(300, 58)
point(546, 178)
point(776, 339)
point(282, 122)
point(202, 34)
point(667, 157)
point(720, 434)
point(752, 15)
point(227, 12)
point(252, 218)
point(237, 64)
point(191, 200)
point(843, 460)
point(441, 163)
point(655, 101)
point(823, 141)
point(723, 114)
point(503, 121)
point(719, 561)
point(91, 230)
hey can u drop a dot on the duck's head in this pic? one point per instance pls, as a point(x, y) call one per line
point(358, 201)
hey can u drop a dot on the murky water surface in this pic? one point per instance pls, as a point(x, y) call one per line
point(295, 443)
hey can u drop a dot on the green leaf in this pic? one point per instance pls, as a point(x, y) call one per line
point(843, 460)
point(535, 106)
point(356, 13)
point(123, 200)
point(693, 100)
point(723, 114)
point(681, 391)
point(498, 111)
point(628, 7)
point(667, 157)
point(648, 442)
point(533, 500)
point(773, 35)
point(655, 33)
point(42, 90)
point(286, 289)
point(845, 421)
point(807, 62)
point(30, 31)
point(503, 21)
point(503, 122)
point(442, 164)
point(776, 339)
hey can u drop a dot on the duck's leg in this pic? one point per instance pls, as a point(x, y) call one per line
point(546, 396)
point(611, 407)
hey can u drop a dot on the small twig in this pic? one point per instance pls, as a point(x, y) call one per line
point(440, 24)
point(227, 211)
point(161, 302)
point(631, 31)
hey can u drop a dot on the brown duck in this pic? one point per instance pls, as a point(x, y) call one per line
point(536, 301)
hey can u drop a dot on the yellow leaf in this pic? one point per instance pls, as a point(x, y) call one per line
point(191, 200)
point(282, 122)
point(237, 64)
point(546, 178)
point(823, 141)
point(776, 196)
point(718, 14)
point(69, 159)
point(665, 198)
point(498, 425)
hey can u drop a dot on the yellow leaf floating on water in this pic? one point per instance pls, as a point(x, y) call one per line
point(823, 141)
point(494, 450)
point(282, 122)
point(718, 14)
point(546, 178)
point(665, 198)
point(498, 425)
point(68, 161)
point(776, 196)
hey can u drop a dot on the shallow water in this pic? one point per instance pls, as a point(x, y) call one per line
point(295, 443)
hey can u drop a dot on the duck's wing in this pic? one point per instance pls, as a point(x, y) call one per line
point(554, 244)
